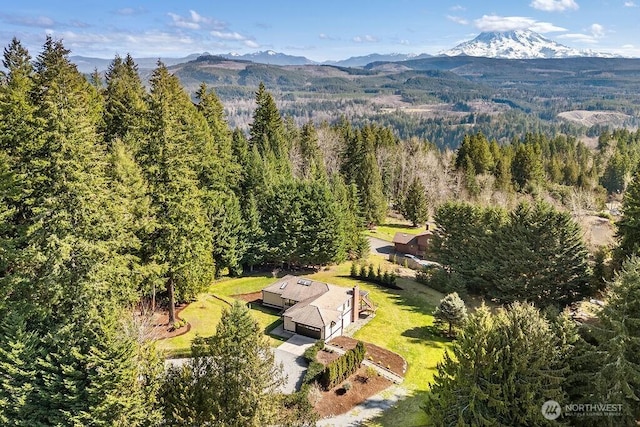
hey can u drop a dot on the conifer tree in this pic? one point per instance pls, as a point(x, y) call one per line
point(254, 235)
point(182, 242)
point(415, 207)
point(73, 270)
point(503, 368)
point(267, 133)
point(231, 380)
point(451, 310)
point(125, 110)
point(629, 225)
point(222, 172)
point(617, 380)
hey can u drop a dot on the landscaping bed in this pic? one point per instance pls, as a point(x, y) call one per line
point(336, 401)
point(157, 325)
point(253, 297)
point(378, 355)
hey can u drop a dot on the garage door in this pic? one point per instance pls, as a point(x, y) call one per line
point(308, 331)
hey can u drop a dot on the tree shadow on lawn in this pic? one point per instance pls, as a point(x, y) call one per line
point(429, 335)
point(406, 412)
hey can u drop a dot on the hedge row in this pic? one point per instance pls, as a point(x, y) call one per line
point(340, 369)
point(370, 274)
point(315, 368)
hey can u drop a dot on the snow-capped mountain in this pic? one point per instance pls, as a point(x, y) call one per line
point(518, 44)
point(361, 61)
point(269, 57)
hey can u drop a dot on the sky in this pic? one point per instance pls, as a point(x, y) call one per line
point(318, 29)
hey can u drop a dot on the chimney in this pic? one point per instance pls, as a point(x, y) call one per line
point(355, 309)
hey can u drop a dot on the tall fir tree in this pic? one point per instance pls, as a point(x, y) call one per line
point(71, 274)
point(617, 353)
point(415, 207)
point(267, 134)
point(125, 111)
point(503, 368)
point(182, 242)
point(231, 380)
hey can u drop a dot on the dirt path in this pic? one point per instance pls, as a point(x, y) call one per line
point(370, 408)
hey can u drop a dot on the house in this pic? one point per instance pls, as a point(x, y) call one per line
point(316, 309)
point(414, 244)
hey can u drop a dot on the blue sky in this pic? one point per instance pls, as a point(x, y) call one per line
point(318, 29)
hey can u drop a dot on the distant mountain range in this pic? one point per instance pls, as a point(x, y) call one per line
point(519, 44)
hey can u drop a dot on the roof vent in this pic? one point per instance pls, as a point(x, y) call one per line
point(304, 282)
point(284, 285)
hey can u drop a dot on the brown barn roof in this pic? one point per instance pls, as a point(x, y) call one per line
point(405, 238)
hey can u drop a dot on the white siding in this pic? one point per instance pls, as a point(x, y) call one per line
point(289, 324)
point(269, 298)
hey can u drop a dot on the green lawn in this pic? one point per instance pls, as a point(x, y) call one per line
point(402, 324)
point(205, 312)
point(392, 226)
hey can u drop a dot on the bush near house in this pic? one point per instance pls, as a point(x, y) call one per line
point(370, 274)
point(340, 369)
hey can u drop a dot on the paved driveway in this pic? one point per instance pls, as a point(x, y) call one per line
point(380, 246)
point(290, 354)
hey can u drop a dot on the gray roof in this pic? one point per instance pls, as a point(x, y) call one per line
point(322, 305)
point(297, 288)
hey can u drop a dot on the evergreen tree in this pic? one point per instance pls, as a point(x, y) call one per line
point(451, 310)
point(231, 379)
point(125, 110)
point(221, 171)
point(254, 235)
point(228, 230)
point(415, 207)
point(629, 225)
point(617, 380)
point(182, 242)
point(526, 168)
point(369, 182)
point(72, 275)
point(504, 366)
point(267, 133)
point(132, 203)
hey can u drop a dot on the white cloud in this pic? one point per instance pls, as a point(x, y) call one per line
point(28, 21)
point(457, 20)
point(457, 8)
point(404, 42)
point(129, 11)
point(511, 23)
point(365, 39)
point(195, 21)
point(251, 44)
point(579, 37)
point(630, 4)
point(591, 35)
point(554, 5)
point(597, 30)
point(228, 35)
point(324, 36)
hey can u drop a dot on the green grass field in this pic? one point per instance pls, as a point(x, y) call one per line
point(403, 324)
point(204, 314)
point(392, 226)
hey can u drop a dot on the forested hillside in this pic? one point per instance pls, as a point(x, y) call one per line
point(117, 197)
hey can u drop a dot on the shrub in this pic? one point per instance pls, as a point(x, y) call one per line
point(346, 386)
point(441, 280)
